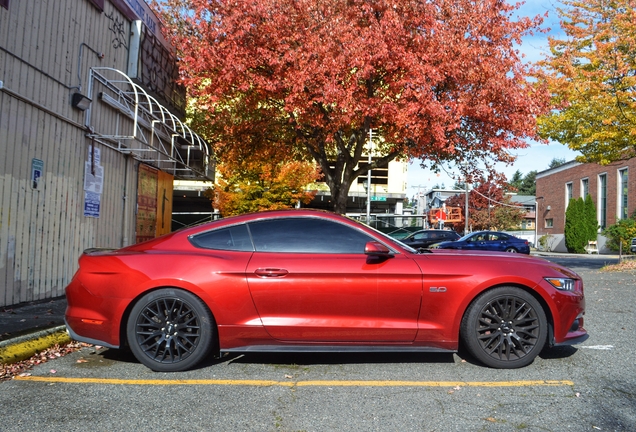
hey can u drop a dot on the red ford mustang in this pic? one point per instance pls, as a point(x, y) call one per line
point(304, 280)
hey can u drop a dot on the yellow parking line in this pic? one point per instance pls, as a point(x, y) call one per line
point(269, 383)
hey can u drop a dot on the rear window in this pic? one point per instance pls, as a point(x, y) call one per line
point(234, 238)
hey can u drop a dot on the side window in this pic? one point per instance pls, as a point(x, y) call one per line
point(307, 235)
point(234, 238)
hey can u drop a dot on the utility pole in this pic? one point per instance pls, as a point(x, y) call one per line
point(369, 178)
point(466, 209)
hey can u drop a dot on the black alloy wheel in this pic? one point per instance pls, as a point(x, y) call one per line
point(170, 330)
point(505, 328)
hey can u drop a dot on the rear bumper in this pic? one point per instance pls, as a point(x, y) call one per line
point(89, 340)
point(93, 319)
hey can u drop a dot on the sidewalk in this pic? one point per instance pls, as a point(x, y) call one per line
point(28, 328)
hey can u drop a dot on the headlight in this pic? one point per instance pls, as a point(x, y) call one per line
point(563, 284)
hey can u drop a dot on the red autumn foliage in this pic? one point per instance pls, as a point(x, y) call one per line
point(441, 81)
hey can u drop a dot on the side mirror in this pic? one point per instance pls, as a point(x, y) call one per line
point(374, 248)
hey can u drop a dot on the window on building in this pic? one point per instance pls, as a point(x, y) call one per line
point(568, 194)
point(549, 223)
point(602, 200)
point(585, 188)
point(622, 193)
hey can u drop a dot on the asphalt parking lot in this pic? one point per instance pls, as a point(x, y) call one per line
point(587, 387)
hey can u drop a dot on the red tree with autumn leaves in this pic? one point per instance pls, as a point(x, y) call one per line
point(440, 81)
point(489, 208)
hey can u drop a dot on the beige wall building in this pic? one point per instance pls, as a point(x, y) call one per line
point(91, 137)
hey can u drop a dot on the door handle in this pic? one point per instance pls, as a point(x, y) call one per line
point(271, 272)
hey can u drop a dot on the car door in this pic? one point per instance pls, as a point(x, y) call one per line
point(311, 281)
point(475, 242)
point(497, 241)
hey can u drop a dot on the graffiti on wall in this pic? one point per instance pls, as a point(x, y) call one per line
point(118, 27)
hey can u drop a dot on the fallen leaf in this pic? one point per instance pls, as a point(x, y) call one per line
point(53, 371)
point(288, 376)
point(491, 419)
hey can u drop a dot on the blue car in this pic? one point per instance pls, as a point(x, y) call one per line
point(488, 240)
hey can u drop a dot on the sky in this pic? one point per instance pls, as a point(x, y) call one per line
point(537, 156)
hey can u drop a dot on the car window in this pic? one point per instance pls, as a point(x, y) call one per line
point(307, 235)
point(234, 238)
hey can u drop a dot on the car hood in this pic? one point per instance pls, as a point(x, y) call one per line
point(505, 259)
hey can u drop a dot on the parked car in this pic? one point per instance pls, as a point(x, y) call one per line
point(490, 241)
point(425, 238)
point(306, 280)
point(632, 247)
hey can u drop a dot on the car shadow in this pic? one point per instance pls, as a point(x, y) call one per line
point(326, 358)
point(559, 352)
point(293, 358)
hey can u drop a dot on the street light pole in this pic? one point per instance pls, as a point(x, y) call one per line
point(466, 209)
point(369, 178)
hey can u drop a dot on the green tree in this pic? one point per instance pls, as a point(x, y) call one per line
point(556, 162)
point(528, 184)
point(575, 231)
point(591, 222)
point(591, 76)
point(516, 180)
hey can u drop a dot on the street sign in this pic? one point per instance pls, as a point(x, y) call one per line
point(37, 168)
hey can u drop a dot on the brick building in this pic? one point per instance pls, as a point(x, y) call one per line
point(611, 187)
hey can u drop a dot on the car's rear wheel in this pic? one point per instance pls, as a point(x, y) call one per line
point(511, 250)
point(504, 328)
point(170, 330)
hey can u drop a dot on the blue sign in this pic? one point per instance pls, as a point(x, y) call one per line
point(92, 202)
point(37, 169)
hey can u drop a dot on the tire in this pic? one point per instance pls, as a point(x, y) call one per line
point(504, 328)
point(511, 250)
point(170, 330)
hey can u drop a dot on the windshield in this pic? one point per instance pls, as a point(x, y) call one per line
point(386, 236)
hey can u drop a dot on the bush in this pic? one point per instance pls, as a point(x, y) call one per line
point(621, 232)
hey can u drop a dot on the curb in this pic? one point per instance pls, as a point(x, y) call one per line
point(23, 347)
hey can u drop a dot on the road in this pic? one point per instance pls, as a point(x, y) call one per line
point(588, 387)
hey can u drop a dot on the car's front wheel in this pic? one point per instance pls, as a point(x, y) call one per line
point(170, 330)
point(504, 328)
